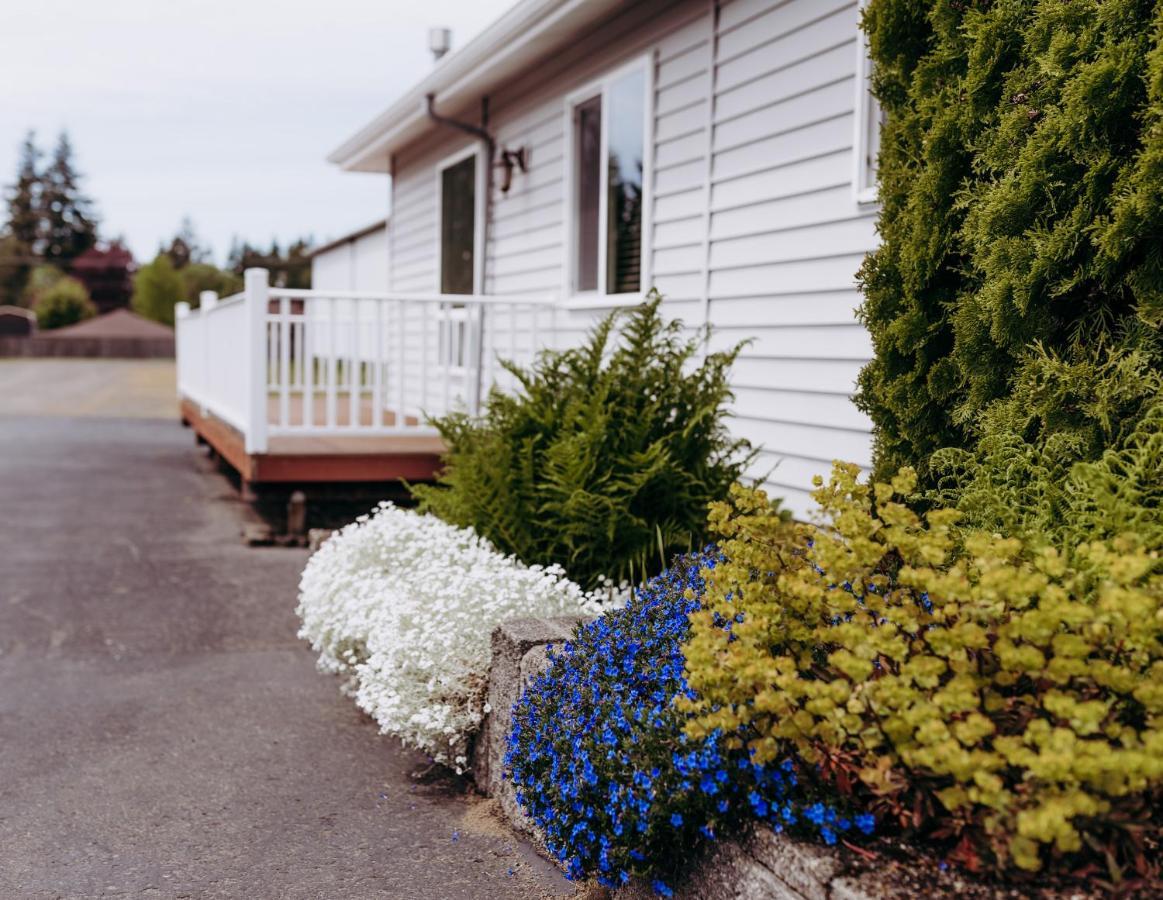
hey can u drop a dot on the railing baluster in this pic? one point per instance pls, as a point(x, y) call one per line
point(355, 371)
point(309, 332)
point(401, 325)
point(332, 363)
point(512, 334)
point(378, 367)
point(284, 329)
point(446, 352)
point(425, 319)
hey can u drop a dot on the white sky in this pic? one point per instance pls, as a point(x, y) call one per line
point(222, 110)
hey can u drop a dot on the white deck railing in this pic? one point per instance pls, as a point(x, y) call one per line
point(279, 362)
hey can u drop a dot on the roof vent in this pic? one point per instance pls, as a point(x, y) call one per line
point(439, 42)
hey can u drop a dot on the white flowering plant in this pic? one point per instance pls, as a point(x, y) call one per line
point(402, 605)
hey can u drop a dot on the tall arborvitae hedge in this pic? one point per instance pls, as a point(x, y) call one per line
point(1021, 181)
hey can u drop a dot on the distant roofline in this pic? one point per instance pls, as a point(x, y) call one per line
point(350, 237)
point(526, 33)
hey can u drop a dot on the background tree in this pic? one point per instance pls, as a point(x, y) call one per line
point(15, 259)
point(203, 276)
point(66, 302)
point(39, 281)
point(24, 197)
point(69, 224)
point(186, 247)
point(20, 238)
point(157, 287)
point(292, 270)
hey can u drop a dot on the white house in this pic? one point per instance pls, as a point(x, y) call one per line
point(576, 154)
point(354, 262)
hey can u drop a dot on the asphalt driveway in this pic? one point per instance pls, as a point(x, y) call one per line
point(162, 731)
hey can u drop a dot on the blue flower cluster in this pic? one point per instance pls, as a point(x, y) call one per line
point(600, 762)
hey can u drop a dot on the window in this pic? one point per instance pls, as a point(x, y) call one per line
point(458, 225)
point(608, 197)
point(869, 118)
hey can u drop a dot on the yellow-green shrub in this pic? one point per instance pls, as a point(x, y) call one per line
point(1000, 695)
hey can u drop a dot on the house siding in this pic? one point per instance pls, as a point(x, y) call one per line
point(754, 223)
point(356, 264)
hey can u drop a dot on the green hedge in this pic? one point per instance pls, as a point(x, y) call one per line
point(1021, 181)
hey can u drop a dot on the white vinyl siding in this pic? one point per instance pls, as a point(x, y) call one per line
point(754, 223)
point(356, 264)
point(786, 235)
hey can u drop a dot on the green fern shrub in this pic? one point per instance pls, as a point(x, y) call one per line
point(996, 698)
point(605, 459)
point(1021, 182)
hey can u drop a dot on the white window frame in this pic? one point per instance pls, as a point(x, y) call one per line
point(864, 181)
point(599, 298)
point(459, 318)
point(475, 148)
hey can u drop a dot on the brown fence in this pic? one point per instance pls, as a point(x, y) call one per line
point(88, 347)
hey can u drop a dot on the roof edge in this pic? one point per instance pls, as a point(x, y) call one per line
point(348, 238)
point(527, 30)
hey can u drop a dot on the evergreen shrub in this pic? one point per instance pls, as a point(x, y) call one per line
point(604, 460)
point(999, 696)
point(1021, 182)
point(64, 302)
point(601, 764)
point(1074, 454)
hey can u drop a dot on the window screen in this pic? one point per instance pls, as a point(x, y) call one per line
point(589, 173)
point(627, 99)
point(457, 226)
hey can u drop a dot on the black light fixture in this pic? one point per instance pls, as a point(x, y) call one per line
point(510, 159)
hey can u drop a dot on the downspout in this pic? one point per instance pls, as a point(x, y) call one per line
point(467, 127)
point(480, 132)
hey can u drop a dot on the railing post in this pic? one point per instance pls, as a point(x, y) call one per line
point(257, 300)
point(207, 300)
point(181, 312)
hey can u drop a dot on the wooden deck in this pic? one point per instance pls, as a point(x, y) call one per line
point(319, 459)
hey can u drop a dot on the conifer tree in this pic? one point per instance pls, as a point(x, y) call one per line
point(24, 196)
point(185, 247)
point(19, 238)
point(1020, 168)
point(69, 224)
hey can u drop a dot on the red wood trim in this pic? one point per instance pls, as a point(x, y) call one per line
point(270, 468)
point(273, 468)
point(225, 440)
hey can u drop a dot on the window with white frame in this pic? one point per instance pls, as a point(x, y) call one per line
point(608, 194)
point(869, 118)
point(457, 189)
point(459, 214)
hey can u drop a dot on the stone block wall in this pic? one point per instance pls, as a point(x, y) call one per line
point(518, 654)
point(766, 866)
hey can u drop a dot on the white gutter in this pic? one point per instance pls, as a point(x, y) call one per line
point(520, 38)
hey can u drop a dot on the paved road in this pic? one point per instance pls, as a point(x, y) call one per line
point(162, 731)
point(129, 388)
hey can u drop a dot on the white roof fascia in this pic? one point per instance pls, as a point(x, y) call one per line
point(523, 35)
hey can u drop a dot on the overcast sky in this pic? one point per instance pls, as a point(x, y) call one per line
point(222, 110)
